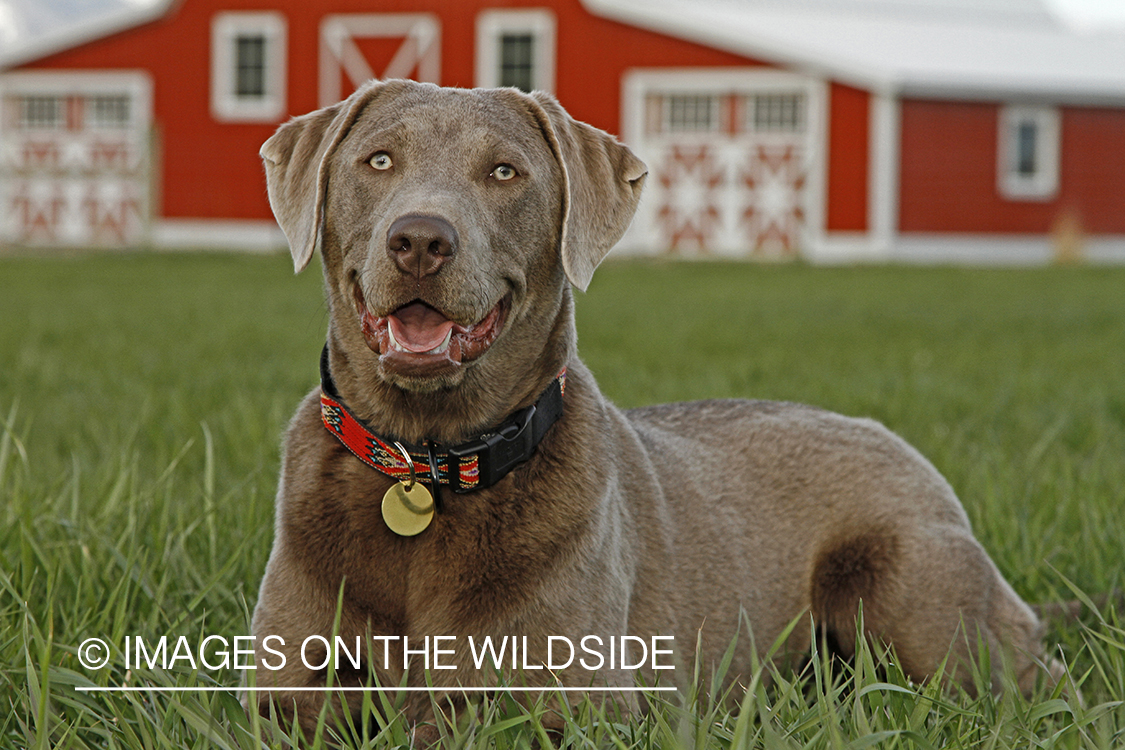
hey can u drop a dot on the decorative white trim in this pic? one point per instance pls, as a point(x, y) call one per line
point(491, 24)
point(1104, 249)
point(817, 201)
point(884, 140)
point(226, 104)
point(1043, 183)
point(927, 248)
point(229, 234)
point(421, 49)
point(844, 248)
point(954, 248)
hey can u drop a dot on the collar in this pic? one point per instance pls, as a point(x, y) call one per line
point(472, 465)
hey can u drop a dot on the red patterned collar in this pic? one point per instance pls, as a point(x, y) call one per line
point(473, 465)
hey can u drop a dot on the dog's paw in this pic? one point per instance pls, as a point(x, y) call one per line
point(425, 736)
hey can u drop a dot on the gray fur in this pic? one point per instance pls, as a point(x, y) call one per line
point(666, 520)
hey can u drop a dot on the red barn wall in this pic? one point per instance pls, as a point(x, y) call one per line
point(948, 179)
point(211, 169)
point(1093, 167)
point(848, 158)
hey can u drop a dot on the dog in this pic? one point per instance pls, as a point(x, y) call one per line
point(452, 225)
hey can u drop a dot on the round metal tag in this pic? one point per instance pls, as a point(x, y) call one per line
point(408, 510)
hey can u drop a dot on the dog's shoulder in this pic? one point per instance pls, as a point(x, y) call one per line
point(319, 474)
point(305, 438)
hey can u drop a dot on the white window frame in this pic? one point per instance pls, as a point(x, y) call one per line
point(493, 24)
point(226, 105)
point(1043, 184)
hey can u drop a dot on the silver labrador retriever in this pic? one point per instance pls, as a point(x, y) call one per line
point(452, 225)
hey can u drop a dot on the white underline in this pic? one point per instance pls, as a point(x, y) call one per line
point(142, 689)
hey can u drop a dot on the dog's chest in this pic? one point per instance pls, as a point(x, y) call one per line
point(483, 555)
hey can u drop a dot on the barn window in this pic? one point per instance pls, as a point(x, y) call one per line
point(1028, 153)
point(42, 112)
point(517, 61)
point(248, 66)
point(516, 48)
point(691, 113)
point(108, 111)
point(776, 113)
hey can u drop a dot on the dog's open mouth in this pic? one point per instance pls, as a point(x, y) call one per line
point(418, 339)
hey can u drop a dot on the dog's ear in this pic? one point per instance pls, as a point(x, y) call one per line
point(602, 181)
point(296, 160)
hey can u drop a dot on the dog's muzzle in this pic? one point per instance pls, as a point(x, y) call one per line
point(417, 339)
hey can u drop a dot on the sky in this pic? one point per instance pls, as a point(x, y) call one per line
point(23, 19)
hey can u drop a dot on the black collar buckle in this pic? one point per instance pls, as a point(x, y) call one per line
point(499, 452)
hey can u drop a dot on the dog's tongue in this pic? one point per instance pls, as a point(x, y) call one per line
point(419, 327)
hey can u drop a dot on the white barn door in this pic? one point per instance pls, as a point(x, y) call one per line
point(734, 163)
point(75, 158)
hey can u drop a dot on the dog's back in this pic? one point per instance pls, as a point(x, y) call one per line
point(784, 509)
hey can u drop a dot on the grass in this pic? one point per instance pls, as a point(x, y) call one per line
point(142, 398)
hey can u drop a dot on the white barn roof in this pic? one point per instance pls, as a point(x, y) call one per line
point(973, 49)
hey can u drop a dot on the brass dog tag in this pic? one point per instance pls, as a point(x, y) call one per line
point(408, 509)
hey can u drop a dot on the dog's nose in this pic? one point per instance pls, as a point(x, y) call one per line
point(420, 245)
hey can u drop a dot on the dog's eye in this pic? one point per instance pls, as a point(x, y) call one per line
point(504, 172)
point(381, 161)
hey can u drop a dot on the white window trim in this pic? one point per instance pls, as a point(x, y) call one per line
point(1044, 184)
point(226, 106)
point(491, 24)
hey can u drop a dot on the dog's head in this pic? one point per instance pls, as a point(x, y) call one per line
point(449, 222)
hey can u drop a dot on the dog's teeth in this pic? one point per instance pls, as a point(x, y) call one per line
point(394, 343)
point(444, 345)
point(439, 349)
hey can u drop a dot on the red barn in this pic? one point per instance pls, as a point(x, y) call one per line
point(836, 130)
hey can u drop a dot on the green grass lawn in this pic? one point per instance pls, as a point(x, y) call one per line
point(142, 399)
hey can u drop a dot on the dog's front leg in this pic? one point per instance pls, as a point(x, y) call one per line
point(303, 649)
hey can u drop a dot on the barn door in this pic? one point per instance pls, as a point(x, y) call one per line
point(732, 159)
point(358, 47)
point(75, 158)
